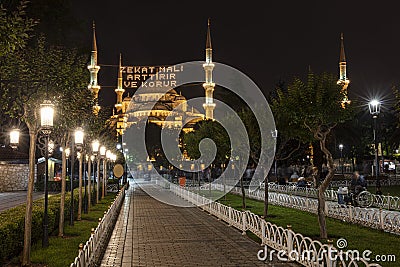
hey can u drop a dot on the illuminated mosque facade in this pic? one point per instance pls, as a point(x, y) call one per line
point(166, 110)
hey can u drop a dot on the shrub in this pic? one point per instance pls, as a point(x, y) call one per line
point(12, 223)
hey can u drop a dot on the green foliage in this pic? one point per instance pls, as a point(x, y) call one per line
point(216, 132)
point(212, 130)
point(309, 107)
point(12, 224)
point(253, 132)
point(62, 251)
point(15, 27)
point(61, 27)
point(40, 72)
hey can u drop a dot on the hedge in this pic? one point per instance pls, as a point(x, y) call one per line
point(12, 223)
point(54, 186)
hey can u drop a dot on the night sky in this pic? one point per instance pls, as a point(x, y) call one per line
point(278, 41)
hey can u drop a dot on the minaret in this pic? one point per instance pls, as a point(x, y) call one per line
point(343, 81)
point(94, 69)
point(119, 90)
point(209, 105)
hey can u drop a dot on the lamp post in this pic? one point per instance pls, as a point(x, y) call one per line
point(46, 123)
point(108, 167)
point(80, 158)
point(95, 151)
point(85, 181)
point(374, 109)
point(103, 157)
point(341, 157)
point(90, 171)
point(202, 169)
point(78, 142)
point(67, 153)
point(193, 173)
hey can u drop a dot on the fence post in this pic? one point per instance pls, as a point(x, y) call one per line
point(263, 232)
point(289, 239)
point(230, 216)
point(82, 261)
point(330, 260)
point(381, 220)
point(351, 212)
point(388, 196)
point(244, 222)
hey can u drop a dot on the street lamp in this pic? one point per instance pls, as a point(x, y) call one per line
point(46, 123)
point(67, 153)
point(85, 181)
point(90, 171)
point(193, 173)
point(374, 109)
point(341, 156)
point(95, 151)
point(14, 138)
point(108, 167)
point(103, 150)
point(78, 142)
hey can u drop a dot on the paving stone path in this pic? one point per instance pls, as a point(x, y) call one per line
point(9, 200)
point(151, 233)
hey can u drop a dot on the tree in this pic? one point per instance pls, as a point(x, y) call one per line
point(15, 27)
point(208, 129)
point(308, 111)
point(52, 73)
point(62, 27)
point(74, 108)
point(244, 146)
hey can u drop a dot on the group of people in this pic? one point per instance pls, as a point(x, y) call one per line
point(300, 181)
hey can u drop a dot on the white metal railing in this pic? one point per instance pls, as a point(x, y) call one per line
point(370, 217)
point(379, 201)
point(276, 237)
point(91, 252)
point(384, 182)
point(112, 187)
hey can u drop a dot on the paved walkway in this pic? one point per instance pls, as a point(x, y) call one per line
point(151, 233)
point(9, 200)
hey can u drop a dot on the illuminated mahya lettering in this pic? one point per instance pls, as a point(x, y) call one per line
point(134, 76)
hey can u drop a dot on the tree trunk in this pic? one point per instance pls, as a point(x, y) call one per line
point(80, 188)
point(243, 193)
point(321, 214)
point(26, 253)
point(63, 187)
point(323, 186)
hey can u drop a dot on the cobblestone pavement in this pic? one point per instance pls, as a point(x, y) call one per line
point(151, 233)
point(9, 200)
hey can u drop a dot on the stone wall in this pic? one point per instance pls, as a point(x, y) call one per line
point(14, 177)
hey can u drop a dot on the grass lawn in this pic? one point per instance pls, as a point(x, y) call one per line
point(62, 251)
point(393, 190)
point(358, 237)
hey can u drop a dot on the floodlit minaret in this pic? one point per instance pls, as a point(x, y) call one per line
point(94, 69)
point(343, 81)
point(119, 90)
point(209, 105)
